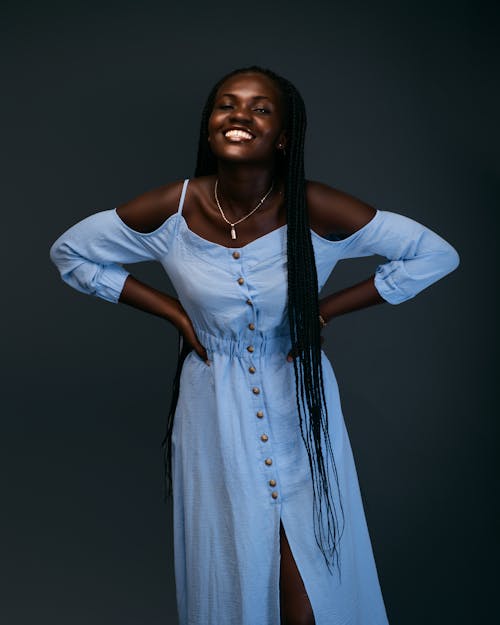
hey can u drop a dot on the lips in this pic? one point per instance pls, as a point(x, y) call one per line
point(237, 135)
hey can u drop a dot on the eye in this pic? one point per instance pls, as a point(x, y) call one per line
point(224, 106)
point(262, 110)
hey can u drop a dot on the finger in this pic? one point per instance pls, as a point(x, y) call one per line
point(195, 344)
point(202, 353)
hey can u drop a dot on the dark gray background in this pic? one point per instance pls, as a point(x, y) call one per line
point(101, 104)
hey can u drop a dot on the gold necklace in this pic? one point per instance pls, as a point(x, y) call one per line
point(233, 231)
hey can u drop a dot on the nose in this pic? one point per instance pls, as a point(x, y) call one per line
point(241, 114)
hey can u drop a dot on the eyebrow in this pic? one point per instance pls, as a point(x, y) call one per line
point(255, 97)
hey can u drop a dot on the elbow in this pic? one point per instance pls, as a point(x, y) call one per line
point(64, 257)
point(450, 260)
point(56, 253)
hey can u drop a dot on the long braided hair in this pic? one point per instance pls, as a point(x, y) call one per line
point(303, 315)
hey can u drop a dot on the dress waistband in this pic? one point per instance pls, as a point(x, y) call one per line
point(254, 345)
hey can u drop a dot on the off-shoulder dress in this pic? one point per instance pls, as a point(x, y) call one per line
point(239, 461)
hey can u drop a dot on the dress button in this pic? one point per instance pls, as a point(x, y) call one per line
point(255, 390)
point(236, 255)
point(251, 369)
point(249, 302)
point(264, 437)
point(251, 326)
point(241, 281)
point(274, 494)
point(260, 414)
point(250, 348)
point(268, 461)
point(272, 482)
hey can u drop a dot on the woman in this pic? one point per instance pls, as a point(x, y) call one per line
point(268, 517)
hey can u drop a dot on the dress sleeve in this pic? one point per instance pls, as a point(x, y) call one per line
point(418, 257)
point(88, 255)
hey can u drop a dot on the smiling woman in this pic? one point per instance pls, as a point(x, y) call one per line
point(246, 122)
point(269, 525)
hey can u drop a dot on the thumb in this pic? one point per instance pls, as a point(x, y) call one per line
point(201, 351)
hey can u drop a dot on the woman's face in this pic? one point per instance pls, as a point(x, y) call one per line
point(246, 124)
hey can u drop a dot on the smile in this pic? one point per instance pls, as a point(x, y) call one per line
point(238, 135)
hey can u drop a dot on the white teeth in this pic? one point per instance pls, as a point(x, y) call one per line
point(238, 134)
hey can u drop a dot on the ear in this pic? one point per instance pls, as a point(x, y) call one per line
point(281, 142)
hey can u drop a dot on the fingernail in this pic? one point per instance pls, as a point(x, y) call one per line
point(207, 362)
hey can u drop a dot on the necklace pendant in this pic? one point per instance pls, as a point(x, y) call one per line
point(233, 231)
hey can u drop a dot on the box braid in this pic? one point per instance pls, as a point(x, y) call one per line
point(303, 311)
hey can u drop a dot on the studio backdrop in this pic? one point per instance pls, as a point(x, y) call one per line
point(102, 102)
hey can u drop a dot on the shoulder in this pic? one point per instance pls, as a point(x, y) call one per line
point(148, 211)
point(334, 211)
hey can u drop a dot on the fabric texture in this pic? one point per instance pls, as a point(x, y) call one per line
point(239, 462)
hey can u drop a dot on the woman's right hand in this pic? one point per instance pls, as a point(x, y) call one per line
point(183, 323)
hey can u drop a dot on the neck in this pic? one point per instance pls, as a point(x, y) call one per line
point(241, 188)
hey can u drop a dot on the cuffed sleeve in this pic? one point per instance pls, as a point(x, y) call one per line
point(89, 255)
point(418, 257)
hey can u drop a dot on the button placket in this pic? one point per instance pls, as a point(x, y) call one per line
point(263, 437)
point(236, 254)
point(251, 348)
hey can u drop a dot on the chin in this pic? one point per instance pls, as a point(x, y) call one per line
point(235, 156)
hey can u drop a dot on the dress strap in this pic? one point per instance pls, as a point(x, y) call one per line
point(183, 195)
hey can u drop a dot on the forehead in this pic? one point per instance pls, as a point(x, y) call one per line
point(249, 85)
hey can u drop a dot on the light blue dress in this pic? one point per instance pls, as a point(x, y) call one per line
point(239, 462)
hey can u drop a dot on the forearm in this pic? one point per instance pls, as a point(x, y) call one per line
point(358, 296)
point(150, 300)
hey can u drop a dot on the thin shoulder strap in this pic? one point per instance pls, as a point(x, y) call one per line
point(183, 195)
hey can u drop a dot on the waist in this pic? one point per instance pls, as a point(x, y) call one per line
point(257, 344)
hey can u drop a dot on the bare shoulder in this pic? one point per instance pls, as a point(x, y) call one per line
point(334, 211)
point(148, 211)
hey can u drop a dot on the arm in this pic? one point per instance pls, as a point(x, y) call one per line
point(144, 297)
point(417, 256)
point(360, 295)
point(89, 255)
